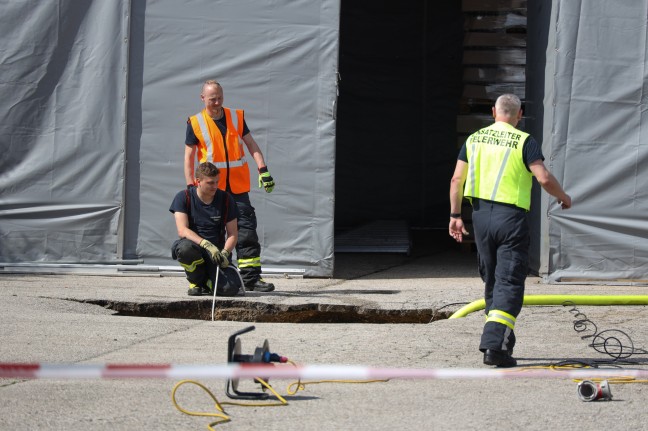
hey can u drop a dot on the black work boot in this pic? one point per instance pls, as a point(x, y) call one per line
point(499, 358)
point(195, 290)
point(260, 286)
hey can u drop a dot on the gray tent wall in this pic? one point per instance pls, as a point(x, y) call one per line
point(276, 60)
point(70, 69)
point(62, 128)
point(95, 89)
point(596, 140)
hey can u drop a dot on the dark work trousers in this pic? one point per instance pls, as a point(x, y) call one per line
point(502, 240)
point(195, 260)
point(248, 249)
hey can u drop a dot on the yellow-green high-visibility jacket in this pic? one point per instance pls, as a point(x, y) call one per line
point(496, 169)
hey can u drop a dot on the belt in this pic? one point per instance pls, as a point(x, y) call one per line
point(477, 201)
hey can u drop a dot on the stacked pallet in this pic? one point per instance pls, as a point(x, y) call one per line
point(494, 58)
point(494, 62)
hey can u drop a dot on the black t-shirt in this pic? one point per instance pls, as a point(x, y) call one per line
point(191, 138)
point(531, 152)
point(206, 219)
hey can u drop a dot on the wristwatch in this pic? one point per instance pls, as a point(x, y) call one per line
point(455, 215)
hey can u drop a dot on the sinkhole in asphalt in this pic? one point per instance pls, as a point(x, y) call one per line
point(250, 311)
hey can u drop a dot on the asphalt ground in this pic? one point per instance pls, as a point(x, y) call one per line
point(64, 318)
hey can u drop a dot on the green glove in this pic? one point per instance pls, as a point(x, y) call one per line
point(225, 258)
point(213, 251)
point(265, 180)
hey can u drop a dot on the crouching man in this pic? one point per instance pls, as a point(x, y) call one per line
point(206, 219)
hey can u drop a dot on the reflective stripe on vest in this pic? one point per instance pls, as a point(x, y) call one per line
point(496, 169)
point(499, 174)
point(212, 148)
point(234, 164)
point(502, 317)
point(204, 129)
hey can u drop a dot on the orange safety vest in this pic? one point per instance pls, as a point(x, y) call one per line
point(212, 148)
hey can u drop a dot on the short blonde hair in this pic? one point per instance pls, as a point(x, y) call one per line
point(508, 104)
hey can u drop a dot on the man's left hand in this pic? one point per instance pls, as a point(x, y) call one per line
point(225, 258)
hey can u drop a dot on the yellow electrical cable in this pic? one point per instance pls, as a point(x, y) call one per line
point(555, 367)
point(616, 380)
point(300, 386)
point(282, 400)
point(224, 418)
point(219, 406)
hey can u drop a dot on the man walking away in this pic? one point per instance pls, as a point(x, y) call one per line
point(494, 171)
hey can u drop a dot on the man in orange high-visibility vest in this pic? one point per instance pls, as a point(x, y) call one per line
point(215, 135)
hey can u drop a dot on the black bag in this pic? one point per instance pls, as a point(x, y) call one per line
point(229, 282)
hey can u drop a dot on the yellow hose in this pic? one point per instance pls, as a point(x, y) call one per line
point(480, 304)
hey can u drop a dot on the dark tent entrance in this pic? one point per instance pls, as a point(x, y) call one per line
point(400, 87)
point(416, 79)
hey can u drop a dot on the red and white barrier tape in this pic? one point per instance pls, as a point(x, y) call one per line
point(307, 372)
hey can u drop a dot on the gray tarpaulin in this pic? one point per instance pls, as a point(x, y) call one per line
point(94, 90)
point(596, 139)
point(96, 93)
point(62, 128)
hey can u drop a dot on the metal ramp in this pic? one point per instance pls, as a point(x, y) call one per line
point(380, 236)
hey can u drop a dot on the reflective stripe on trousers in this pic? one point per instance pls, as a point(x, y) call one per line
point(249, 263)
point(248, 249)
point(191, 267)
point(502, 240)
point(502, 317)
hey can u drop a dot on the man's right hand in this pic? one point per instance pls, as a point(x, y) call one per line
point(213, 251)
point(457, 229)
